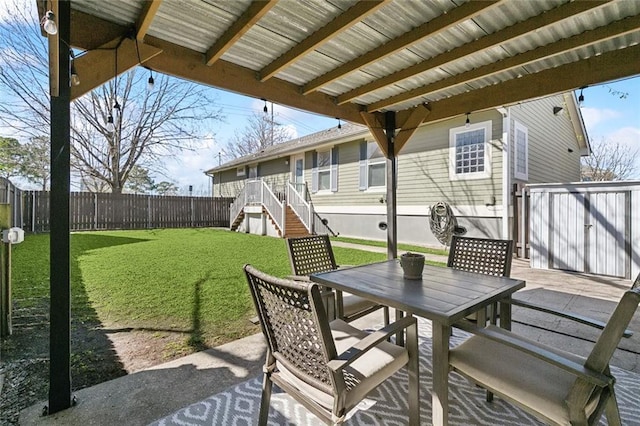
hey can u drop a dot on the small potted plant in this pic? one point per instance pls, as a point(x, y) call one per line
point(412, 265)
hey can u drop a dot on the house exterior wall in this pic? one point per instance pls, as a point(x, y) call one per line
point(423, 180)
point(227, 183)
point(550, 139)
point(274, 172)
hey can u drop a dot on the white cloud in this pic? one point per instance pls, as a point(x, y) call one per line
point(594, 116)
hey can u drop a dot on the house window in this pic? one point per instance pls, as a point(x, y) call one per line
point(469, 151)
point(324, 170)
point(521, 152)
point(253, 172)
point(324, 174)
point(373, 166)
point(240, 171)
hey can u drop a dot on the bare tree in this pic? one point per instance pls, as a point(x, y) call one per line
point(609, 161)
point(149, 124)
point(260, 132)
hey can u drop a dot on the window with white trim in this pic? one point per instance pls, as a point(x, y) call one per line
point(373, 167)
point(470, 152)
point(521, 152)
point(324, 173)
point(241, 171)
point(324, 170)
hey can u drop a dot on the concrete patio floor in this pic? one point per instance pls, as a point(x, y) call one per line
point(145, 396)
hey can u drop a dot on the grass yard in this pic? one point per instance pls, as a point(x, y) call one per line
point(185, 280)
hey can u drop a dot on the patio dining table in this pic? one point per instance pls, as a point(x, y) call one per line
point(443, 295)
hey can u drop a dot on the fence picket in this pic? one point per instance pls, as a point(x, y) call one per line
point(106, 211)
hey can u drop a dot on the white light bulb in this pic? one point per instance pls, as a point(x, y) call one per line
point(110, 126)
point(48, 23)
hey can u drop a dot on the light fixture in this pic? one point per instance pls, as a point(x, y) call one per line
point(150, 82)
point(49, 24)
point(110, 126)
point(557, 110)
point(74, 79)
point(467, 121)
point(581, 97)
point(265, 109)
point(339, 123)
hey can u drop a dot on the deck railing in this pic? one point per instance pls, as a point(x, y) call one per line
point(296, 200)
point(274, 207)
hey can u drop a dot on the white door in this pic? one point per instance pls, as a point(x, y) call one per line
point(567, 231)
point(607, 227)
point(297, 172)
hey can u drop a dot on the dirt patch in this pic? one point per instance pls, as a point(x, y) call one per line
point(97, 355)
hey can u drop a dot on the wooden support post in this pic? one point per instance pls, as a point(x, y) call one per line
point(59, 286)
point(392, 177)
point(5, 274)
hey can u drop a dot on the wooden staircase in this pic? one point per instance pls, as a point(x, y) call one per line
point(295, 228)
point(238, 221)
point(293, 225)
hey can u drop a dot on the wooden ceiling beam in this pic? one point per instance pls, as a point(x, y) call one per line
point(341, 23)
point(416, 116)
point(256, 10)
point(608, 66)
point(149, 11)
point(375, 123)
point(446, 20)
point(188, 64)
point(560, 13)
point(607, 32)
point(96, 67)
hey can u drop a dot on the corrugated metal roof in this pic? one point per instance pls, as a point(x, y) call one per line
point(196, 25)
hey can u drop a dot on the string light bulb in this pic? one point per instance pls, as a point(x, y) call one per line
point(110, 126)
point(467, 122)
point(49, 24)
point(265, 109)
point(581, 97)
point(150, 82)
point(339, 123)
point(75, 80)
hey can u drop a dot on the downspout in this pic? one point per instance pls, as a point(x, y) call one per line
point(506, 167)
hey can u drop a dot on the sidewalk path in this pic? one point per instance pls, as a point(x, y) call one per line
point(427, 256)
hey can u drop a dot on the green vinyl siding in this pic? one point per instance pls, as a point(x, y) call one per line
point(423, 171)
point(550, 139)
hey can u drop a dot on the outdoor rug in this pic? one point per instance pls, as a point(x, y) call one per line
point(387, 405)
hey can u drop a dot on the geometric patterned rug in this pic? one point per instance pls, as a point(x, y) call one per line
point(387, 405)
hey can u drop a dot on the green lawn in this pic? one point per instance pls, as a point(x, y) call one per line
point(405, 247)
point(187, 280)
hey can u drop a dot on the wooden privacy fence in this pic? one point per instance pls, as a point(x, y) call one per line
point(104, 211)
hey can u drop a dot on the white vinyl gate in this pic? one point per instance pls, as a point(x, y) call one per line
point(586, 227)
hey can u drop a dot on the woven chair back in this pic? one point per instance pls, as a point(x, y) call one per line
point(310, 255)
point(481, 255)
point(297, 331)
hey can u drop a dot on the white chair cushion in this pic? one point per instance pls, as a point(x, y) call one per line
point(363, 375)
point(353, 304)
point(518, 377)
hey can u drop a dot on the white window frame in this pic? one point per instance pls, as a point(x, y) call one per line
point(371, 149)
point(241, 171)
point(324, 169)
point(453, 133)
point(520, 152)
